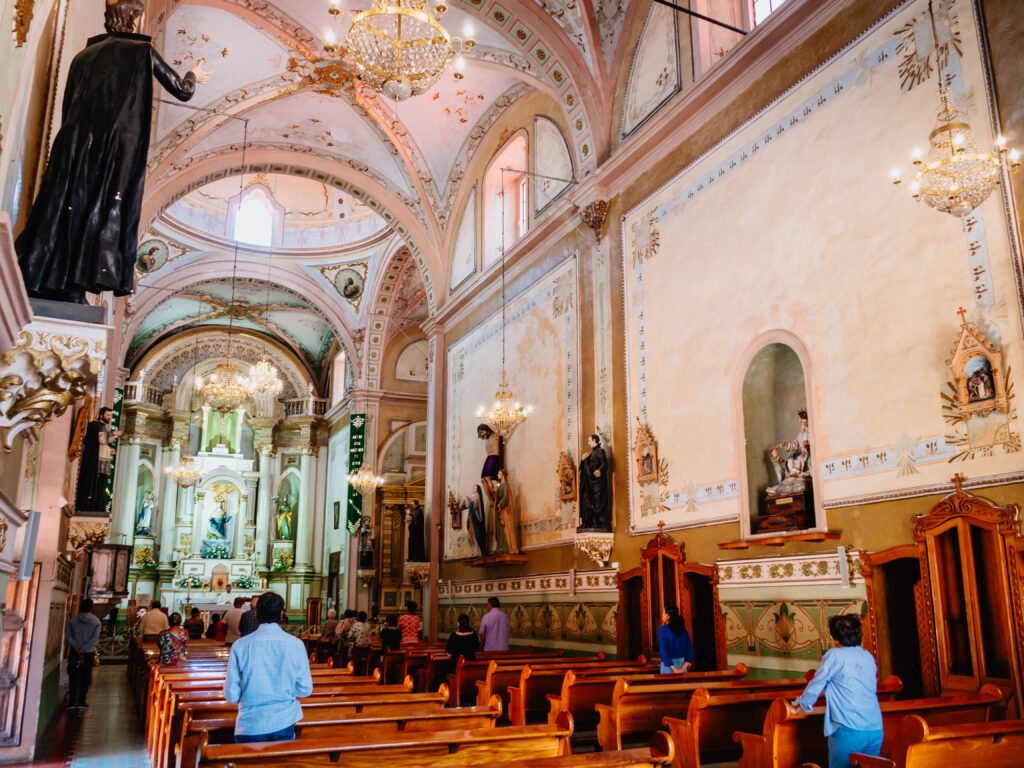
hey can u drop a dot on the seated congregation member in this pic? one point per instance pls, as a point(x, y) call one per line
point(390, 634)
point(216, 629)
point(464, 641)
point(249, 623)
point(359, 635)
point(153, 623)
point(173, 641)
point(328, 627)
point(267, 674)
point(674, 643)
point(194, 625)
point(849, 677)
point(410, 624)
point(346, 624)
point(233, 621)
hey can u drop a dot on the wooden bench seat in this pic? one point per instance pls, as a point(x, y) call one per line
point(324, 722)
point(997, 744)
point(792, 738)
point(440, 749)
point(462, 682)
point(659, 752)
point(502, 675)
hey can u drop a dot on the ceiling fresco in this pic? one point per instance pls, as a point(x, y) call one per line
point(355, 175)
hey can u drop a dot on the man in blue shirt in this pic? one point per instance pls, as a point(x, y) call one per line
point(849, 676)
point(494, 627)
point(81, 635)
point(268, 673)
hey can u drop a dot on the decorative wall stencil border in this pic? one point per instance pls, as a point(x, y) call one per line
point(903, 455)
point(821, 569)
point(574, 621)
point(935, 489)
point(539, 584)
point(790, 630)
point(694, 494)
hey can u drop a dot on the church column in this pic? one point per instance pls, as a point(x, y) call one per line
point(202, 428)
point(236, 443)
point(263, 433)
point(184, 521)
point(435, 490)
point(241, 518)
point(122, 524)
point(196, 503)
point(304, 524)
point(169, 505)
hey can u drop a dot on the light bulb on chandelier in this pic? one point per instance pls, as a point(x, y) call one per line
point(364, 481)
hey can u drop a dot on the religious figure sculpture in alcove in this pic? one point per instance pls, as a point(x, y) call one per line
point(506, 528)
point(791, 461)
point(593, 479)
point(492, 464)
point(476, 521)
point(82, 232)
point(979, 379)
point(417, 546)
point(144, 518)
point(366, 545)
point(219, 522)
point(283, 517)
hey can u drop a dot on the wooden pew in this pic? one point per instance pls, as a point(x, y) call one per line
point(500, 675)
point(792, 738)
point(462, 683)
point(659, 752)
point(637, 708)
point(997, 744)
point(440, 749)
point(327, 722)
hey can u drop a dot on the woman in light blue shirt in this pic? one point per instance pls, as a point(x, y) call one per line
point(674, 643)
point(849, 676)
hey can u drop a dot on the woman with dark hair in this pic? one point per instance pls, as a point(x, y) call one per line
point(410, 624)
point(849, 677)
point(216, 629)
point(464, 641)
point(194, 625)
point(674, 643)
point(390, 634)
point(173, 641)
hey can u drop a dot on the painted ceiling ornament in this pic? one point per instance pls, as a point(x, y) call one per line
point(400, 47)
point(646, 238)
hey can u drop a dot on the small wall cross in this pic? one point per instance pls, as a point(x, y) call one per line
point(963, 317)
point(958, 481)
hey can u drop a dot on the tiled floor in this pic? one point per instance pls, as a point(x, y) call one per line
point(110, 735)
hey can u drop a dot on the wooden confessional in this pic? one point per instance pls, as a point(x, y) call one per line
point(664, 578)
point(961, 583)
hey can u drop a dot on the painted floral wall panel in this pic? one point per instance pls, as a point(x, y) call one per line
point(791, 225)
point(542, 363)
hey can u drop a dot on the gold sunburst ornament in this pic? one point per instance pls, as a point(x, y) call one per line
point(400, 47)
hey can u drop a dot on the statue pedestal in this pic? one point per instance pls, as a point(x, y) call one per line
point(597, 545)
point(144, 547)
point(279, 547)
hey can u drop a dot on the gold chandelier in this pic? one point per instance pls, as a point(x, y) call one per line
point(956, 177)
point(226, 389)
point(505, 415)
point(186, 474)
point(400, 47)
point(263, 379)
point(364, 481)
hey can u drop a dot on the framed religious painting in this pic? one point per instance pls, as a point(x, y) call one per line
point(645, 453)
point(566, 478)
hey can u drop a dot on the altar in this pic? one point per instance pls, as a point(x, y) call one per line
point(178, 598)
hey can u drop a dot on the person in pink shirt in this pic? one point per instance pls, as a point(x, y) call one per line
point(410, 624)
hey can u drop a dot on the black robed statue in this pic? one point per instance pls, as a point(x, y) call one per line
point(82, 233)
point(593, 479)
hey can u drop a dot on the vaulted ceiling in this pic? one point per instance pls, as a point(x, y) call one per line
point(377, 178)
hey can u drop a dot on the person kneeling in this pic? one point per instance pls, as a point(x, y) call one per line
point(268, 673)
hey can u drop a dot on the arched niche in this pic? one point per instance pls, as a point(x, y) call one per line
point(144, 487)
point(780, 491)
point(286, 507)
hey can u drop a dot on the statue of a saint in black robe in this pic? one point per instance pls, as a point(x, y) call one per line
point(82, 232)
point(417, 546)
point(593, 479)
point(94, 467)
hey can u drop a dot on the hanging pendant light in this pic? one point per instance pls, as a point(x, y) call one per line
point(364, 481)
point(226, 388)
point(263, 379)
point(186, 473)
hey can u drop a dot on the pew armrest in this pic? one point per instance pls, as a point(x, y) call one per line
point(681, 732)
point(555, 702)
point(755, 748)
point(867, 761)
point(516, 706)
point(606, 730)
point(481, 693)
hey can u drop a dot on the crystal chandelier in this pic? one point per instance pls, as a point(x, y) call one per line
point(226, 389)
point(505, 415)
point(263, 379)
point(186, 474)
point(400, 47)
point(956, 177)
point(364, 481)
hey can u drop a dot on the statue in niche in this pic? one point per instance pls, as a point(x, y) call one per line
point(791, 462)
point(492, 464)
point(979, 379)
point(417, 546)
point(366, 545)
point(144, 518)
point(454, 510)
point(506, 528)
point(94, 466)
point(593, 479)
point(283, 517)
point(219, 522)
point(476, 521)
point(82, 231)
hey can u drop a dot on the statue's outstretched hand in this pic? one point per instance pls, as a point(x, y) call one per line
point(202, 75)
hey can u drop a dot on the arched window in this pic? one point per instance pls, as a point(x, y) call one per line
point(254, 218)
point(764, 8)
point(338, 378)
point(506, 199)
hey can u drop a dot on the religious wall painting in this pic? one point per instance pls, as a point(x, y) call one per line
point(566, 478)
point(645, 454)
point(348, 280)
point(654, 76)
point(152, 255)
